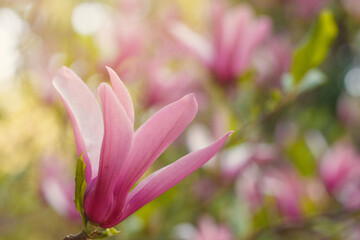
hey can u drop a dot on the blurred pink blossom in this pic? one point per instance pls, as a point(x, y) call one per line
point(340, 172)
point(231, 162)
point(115, 156)
point(209, 230)
point(200, 135)
point(249, 187)
point(348, 111)
point(234, 160)
point(204, 189)
point(286, 187)
point(273, 61)
point(286, 133)
point(282, 184)
point(122, 41)
point(58, 189)
point(236, 35)
point(265, 153)
point(339, 165)
point(164, 85)
point(349, 195)
point(43, 65)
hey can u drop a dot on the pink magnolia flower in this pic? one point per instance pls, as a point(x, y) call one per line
point(209, 230)
point(248, 186)
point(349, 195)
point(115, 156)
point(273, 60)
point(235, 160)
point(164, 85)
point(339, 165)
point(123, 39)
point(42, 66)
point(286, 187)
point(237, 34)
point(265, 153)
point(58, 190)
point(282, 184)
point(340, 172)
point(231, 162)
point(348, 111)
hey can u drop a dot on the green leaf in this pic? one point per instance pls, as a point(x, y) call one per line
point(80, 186)
point(315, 46)
point(300, 155)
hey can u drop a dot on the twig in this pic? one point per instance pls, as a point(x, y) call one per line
point(81, 236)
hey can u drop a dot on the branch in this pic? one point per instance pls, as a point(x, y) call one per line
point(81, 236)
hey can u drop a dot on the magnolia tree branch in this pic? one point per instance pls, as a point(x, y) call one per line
point(81, 236)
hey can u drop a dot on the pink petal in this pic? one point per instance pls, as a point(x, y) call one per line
point(117, 142)
point(285, 186)
point(157, 133)
point(255, 32)
point(57, 189)
point(232, 35)
point(207, 228)
point(86, 117)
point(162, 180)
point(193, 42)
point(122, 93)
point(225, 233)
point(217, 21)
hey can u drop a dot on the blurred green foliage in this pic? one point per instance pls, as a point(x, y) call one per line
point(302, 100)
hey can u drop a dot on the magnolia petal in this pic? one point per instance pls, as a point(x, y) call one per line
point(57, 189)
point(256, 32)
point(195, 43)
point(243, 16)
point(162, 180)
point(217, 21)
point(85, 115)
point(229, 36)
point(207, 228)
point(156, 134)
point(122, 93)
point(118, 136)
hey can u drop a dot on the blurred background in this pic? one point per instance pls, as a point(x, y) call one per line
point(284, 74)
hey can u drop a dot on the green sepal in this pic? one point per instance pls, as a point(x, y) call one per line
point(314, 47)
point(106, 233)
point(94, 231)
point(80, 186)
